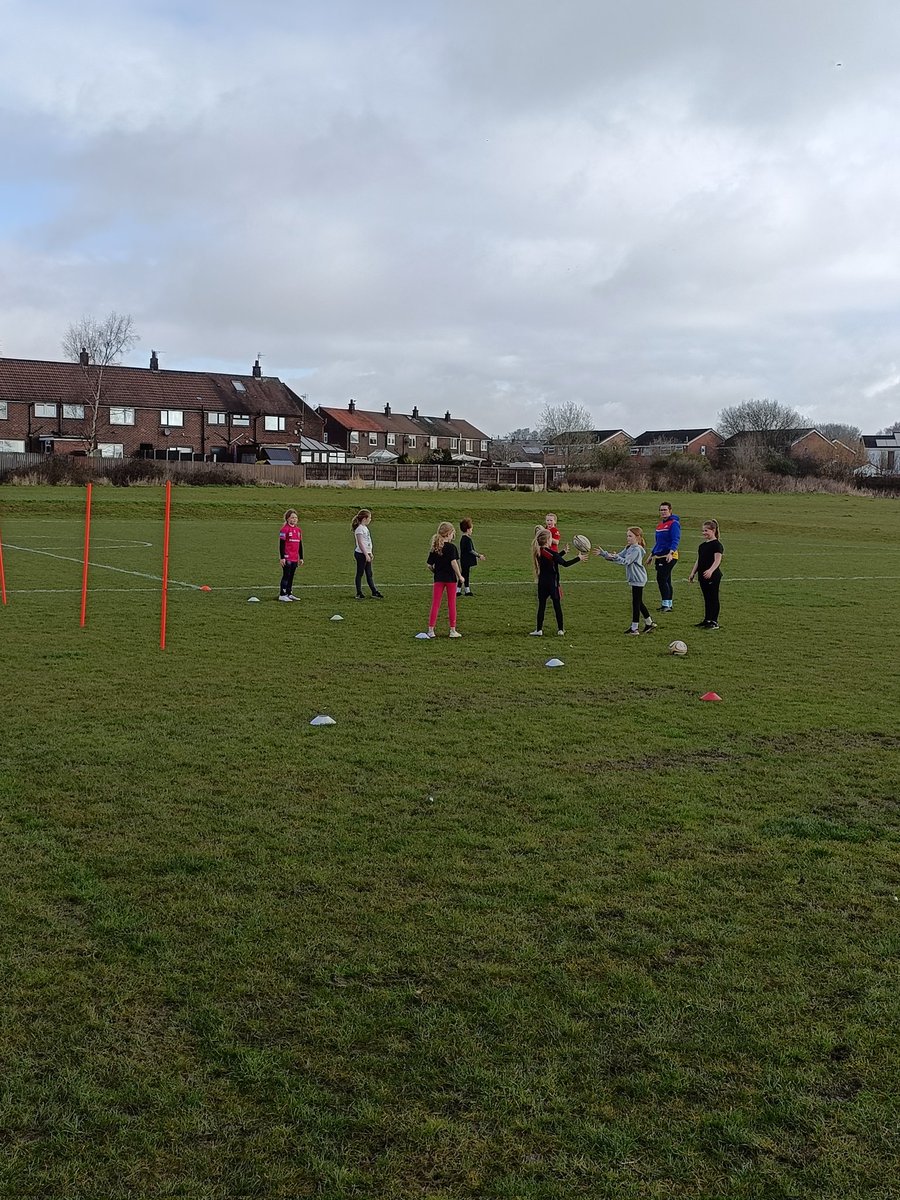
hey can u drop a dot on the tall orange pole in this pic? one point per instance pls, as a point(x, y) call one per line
point(165, 570)
point(2, 573)
point(87, 551)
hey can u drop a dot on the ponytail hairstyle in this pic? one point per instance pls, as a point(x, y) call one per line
point(359, 518)
point(542, 539)
point(713, 525)
point(638, 535)
point(291, 512)
point(445, 532)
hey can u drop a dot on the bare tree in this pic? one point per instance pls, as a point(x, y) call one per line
point(97, 344)
point(835, 431)
point(895, 428)
point(560, 425)
point(767, 419)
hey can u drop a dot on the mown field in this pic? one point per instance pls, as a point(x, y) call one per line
point(502, 932)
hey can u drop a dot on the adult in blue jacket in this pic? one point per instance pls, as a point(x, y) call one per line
point(665, 552)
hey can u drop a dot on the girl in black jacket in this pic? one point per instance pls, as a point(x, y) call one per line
point(546, 570)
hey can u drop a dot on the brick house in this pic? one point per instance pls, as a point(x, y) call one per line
point(578, 446)
point(883, 452)
point(660, 443)
point(47, 406)
point(798, 444)
point(363, 433)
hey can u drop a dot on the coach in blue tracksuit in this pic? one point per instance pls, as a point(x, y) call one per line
point(665, 552)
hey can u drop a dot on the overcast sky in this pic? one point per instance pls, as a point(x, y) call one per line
point(654, 208)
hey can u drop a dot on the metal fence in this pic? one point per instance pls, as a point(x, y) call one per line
point(394, 475)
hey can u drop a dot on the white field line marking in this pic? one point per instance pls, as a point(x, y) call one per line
point(309, 587)
point(95, 543)
point(101, 567)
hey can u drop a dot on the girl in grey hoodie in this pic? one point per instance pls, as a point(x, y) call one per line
point(631, 557)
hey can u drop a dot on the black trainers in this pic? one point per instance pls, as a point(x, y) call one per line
point(702, 625)
point(629, 632)
point(649, 626)
point(359, 596)
point(712, 624)
point(377, 596)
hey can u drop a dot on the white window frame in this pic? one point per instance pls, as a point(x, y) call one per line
point(432, 443)
point(12, 446)
point(411, 441)
point(73, 412)
point(217, 418)
point(121, 416)
point(392, 439)
point(111, 449)
point(484, 446)
point(273, 424)
point(354, 437)
point(172, 418)
point(4, 410)
point(373, 439)
point(454, 444)
point(241, 419)
point(703, 451)
point(468, 446)
point(44, 411)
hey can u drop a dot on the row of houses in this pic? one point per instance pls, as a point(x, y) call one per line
point(77, 408)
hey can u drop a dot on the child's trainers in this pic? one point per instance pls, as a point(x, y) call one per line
point(649, 626)
point(536, 633)
point(455, 633)
point(629, 632)
point(430, 633)
point(560, 633)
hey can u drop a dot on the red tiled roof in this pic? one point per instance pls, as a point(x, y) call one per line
point(30, 380)
point(361, 421)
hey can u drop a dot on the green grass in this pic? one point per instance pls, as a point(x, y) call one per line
point(502, 932)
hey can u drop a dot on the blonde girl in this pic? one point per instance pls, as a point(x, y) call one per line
point(631, 557)
point(706, 570)
point(443, 562)
point(362, 552)
point(546, 563)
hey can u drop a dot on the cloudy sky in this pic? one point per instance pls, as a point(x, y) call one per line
point(655, 208)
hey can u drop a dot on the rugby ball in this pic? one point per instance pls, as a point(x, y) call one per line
point(678, 648)
point(581, 543)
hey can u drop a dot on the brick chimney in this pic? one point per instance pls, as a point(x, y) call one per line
point(154, 361)
point(84, 358)
point(415, 412)
point(387, 410)
point(351, 407)
point(447, 415)
point(257, 370)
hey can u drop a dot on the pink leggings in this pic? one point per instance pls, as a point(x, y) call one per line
point(436, 591)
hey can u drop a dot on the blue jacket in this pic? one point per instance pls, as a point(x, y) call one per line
point(668, 535)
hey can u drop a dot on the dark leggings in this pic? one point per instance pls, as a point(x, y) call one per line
point(543, 597)
point(710, 590)
point(664, 578)
point(638, 607)
point(363, 565)
point(287, 577)
point(465, 568)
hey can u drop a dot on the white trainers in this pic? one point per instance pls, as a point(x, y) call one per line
point(561, 632)
point(293, 597)
point(430, 633)
point(286, 599)
point(536, 633)
point(454, 633)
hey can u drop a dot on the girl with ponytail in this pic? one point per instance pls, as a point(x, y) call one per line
point(443, 562)
point(362, 552)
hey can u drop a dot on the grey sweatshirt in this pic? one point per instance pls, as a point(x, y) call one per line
point(631, 558)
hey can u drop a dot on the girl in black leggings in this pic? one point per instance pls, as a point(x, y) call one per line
point(706, 570)
point(546, 568)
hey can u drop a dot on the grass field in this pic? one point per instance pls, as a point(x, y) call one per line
point(502, 932)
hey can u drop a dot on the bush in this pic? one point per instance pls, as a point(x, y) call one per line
point(57, 470)
point(128, 471)
point(781, 464)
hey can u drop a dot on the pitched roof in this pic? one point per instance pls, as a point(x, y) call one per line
point(670, 436)
point(358, 421)
point(589, 436)
point(881, 441)
point(138, 387)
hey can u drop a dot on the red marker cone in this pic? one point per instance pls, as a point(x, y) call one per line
point(711, 696)
point(205, 588)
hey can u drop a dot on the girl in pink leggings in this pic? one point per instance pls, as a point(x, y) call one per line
point(443, 561)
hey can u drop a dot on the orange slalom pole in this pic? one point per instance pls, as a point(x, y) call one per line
point(165, 570)
point(2, 572)
point(87, 551)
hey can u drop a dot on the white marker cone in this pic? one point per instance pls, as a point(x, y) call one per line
point(323, 720)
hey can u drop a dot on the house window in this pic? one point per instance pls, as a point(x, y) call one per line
point(484, 447)
point(217, 418)
point(10, 447)
point(242, 419)
point(468, 446)
point(173, 417)
point(111, 449)
point(325, 436)
point(274, 424)
point(73, 412)
point(454, 445)
point(373, 439)
point(354, 438)
point(121, 416)
point(703, 450)
point(411, 441)
point(45, 410)
point(432, 443)
point(634, 451)
point(4, 410)
point(392, 439)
